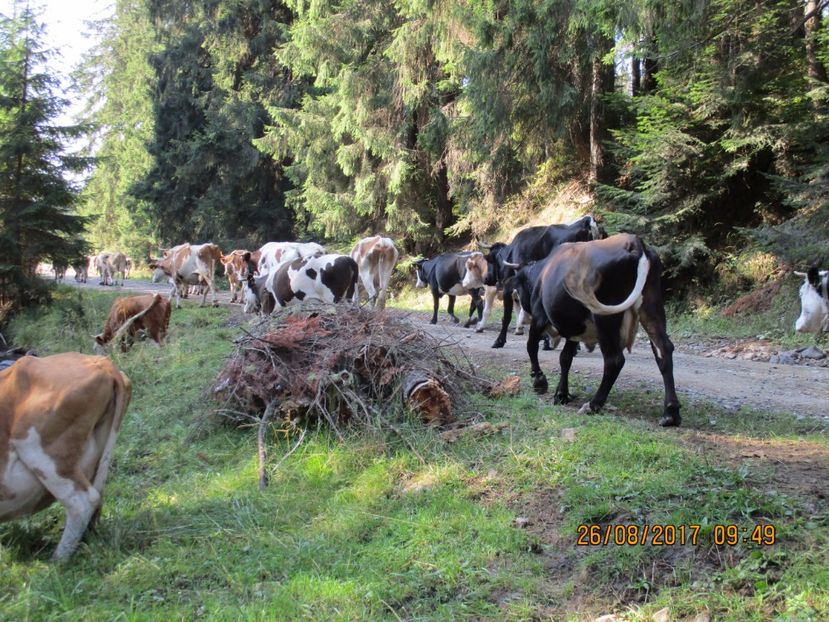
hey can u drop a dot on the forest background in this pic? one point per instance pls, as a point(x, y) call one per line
point(700, 124)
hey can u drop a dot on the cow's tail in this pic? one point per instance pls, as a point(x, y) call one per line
point(380, 303)
point(126, 325)
point(123, 393)
point(588, 297)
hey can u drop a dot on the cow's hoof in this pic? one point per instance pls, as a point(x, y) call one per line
point(562, 398)
point(540, 384)
point(587, 409)
point(499, 343)
point(547, 347)
point(670, 420)
point(433, 321)
point(454, 320)
point(479, 330)
point(519, 331)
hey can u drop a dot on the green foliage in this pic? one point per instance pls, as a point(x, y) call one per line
point(37, 217)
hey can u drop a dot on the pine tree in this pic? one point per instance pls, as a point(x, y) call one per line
point(37, 219)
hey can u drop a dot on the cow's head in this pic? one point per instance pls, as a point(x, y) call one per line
point(421, 276)
point(492, 258)
point(477, 268)
point(251, 295)
point(814, 302)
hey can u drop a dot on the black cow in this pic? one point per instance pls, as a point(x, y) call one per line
point(565, 302)
point(531, 244)
point(455, 274)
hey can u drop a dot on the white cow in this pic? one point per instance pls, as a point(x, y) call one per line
point(814, 302)
point(275, 254)
point(190, 264)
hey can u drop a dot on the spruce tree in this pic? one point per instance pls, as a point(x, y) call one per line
point(37, 218)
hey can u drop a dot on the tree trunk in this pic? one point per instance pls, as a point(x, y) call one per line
point(649, 67)
point(443, 214)
point(816, 70)
point(635, 76)
point(601, 82)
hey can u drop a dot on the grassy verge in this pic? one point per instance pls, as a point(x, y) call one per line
point(384, 526)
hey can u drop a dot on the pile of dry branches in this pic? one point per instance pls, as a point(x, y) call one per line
point(344, 365)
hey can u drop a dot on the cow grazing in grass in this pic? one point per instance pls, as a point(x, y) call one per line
point(375, 257)
point(596, 293)
point(530, 244)
point(453, 274)
point(190, 264)
point(814, 302)
point(128, 316)
point(81, 268)
point(59, 420)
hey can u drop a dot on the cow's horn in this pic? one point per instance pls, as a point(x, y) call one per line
point(800, 274)
point(484, 245)
point(509, 264)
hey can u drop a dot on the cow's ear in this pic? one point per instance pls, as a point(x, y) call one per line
point(814, 276)
point(419, 262)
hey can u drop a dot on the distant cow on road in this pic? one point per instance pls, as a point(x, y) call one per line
point(814, 302)
point(454, 274)
point(375, 257)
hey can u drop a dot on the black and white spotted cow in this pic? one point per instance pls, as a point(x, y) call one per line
point(326, 278)
point(454, 274)
point(596, 293)
point(530, 244)
point(814, 302)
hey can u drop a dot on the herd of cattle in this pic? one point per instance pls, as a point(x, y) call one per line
point(61, 413)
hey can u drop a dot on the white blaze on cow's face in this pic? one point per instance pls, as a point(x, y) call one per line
point(476, 269)
point(814, 307)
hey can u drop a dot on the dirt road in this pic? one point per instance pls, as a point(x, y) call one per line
point(800, 390)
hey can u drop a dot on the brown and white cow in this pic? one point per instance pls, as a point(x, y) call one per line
point(148, 312)
point(190, 264)
point(109, 265)
point(81, 268)
point(59, 420)
point(596, 293)
point(375, 257)
point(235, 271)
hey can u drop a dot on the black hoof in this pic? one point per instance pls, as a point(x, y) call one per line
point(669, 420)
point(547, 347)
point(468, 323)
point(433, 321)
point(454, 320)
point(499, 343)
point(562, 398)
point(540, 384)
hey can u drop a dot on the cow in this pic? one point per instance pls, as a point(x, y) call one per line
point(814, 302)
point(127, 267)
point(530, 244)
point(60, 419)
point(326, 278)
point(190, 264)
point(273, 255)
point(565, 302)
point(148, 312)
point(375, 257)
point(455, 274)
point(102, 265)
point(81, 268)
point(59, 266)
point(256, 297)
point(117, 265)
point(235, 271)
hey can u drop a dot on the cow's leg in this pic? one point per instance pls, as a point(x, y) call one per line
point(436, 301)
point(490, 292)
point(74, 491)
point(521, 321)
point(508, 303)
point(450, 309)
point(539, 379)
point(474, 305)
point(652, 318)
point(610, 342)
point(368, 284)
point(565, 359)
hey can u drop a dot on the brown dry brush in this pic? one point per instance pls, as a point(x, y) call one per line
point(349, 365)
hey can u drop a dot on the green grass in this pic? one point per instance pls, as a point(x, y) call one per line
point(385, 526)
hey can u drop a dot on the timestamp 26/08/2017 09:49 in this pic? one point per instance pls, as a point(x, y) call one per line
point(675, 535)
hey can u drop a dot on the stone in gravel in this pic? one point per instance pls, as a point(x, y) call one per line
point(784, 358)
point(812, 352)
point(663, 615)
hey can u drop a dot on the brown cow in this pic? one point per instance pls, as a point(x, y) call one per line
point(375, 257)
point(149, 312)
point(59, 419)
